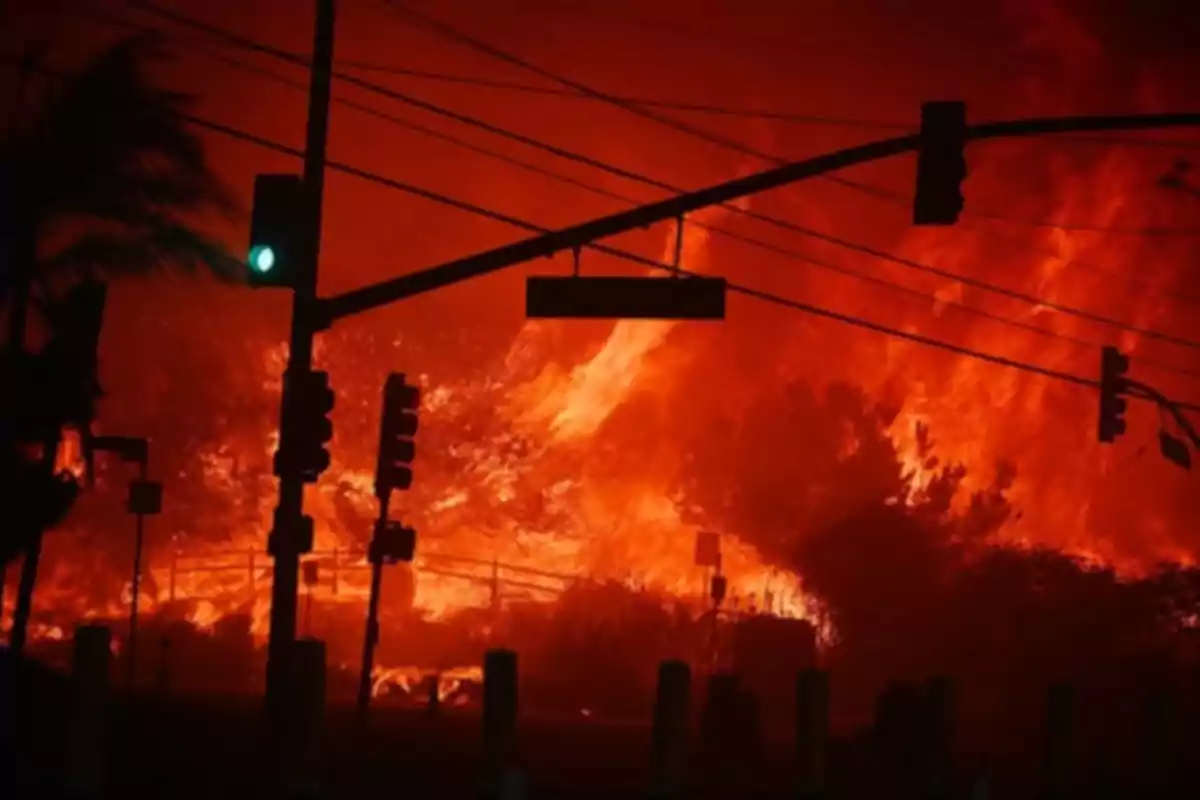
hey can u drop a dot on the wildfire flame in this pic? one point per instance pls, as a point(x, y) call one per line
point(526, 491)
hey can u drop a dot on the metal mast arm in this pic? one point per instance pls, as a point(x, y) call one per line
point(394, 289)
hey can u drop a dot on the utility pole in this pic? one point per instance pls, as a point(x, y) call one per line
point(285, 545)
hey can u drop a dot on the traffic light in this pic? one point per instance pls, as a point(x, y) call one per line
point(306, 428)
point(277, 223)
point(941, 166)
point(1113, 366)
point(397, 450)
point(393, 542)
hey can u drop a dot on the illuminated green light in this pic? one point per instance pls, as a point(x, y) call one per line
point(262, 259)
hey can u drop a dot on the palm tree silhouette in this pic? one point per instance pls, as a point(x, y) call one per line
point(103, 179)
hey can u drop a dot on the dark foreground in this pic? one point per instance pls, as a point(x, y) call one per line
point(215, 747)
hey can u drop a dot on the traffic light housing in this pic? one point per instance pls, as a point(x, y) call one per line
point(1113, 366)
point(398, 426)
point(941, 165)
point(306, 429)
point(277, 255)
point(393, 542)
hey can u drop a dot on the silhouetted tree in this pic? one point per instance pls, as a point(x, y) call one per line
point(105, 178)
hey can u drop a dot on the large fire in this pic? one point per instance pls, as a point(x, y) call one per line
point(555, 458)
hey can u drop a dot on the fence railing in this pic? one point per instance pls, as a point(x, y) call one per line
point(333, 566)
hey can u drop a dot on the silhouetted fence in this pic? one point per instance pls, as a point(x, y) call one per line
point(334, 566)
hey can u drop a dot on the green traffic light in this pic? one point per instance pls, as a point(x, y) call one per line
point(262, 259)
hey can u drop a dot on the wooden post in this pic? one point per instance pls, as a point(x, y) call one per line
point(812, 731)
point(174, 570)
point(499, 719)
point(1157, 744)
point(672, 719)
point(253, 576)
point(1059, 711)
point(302, 752)
point(85, 762)
point(939, 733)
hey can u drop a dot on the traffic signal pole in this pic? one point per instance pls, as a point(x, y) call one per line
point(371, 635)
point(285, 545)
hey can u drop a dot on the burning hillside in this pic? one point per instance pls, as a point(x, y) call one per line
point(858, 481)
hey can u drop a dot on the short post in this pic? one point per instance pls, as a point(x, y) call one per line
point(499, 719)
point(85, 764)
point(939, 734)
point(434, 688)
point(1157, 744)
point(1055, 765)
point(302, 755)
point(670, 731)
point(812, 731)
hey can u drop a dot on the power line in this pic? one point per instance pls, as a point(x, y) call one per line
point(458, 36)
point(223, 37)
point(781, 251)
point(732, 235)
point(629, 175)
point(734, 287)
point(481, 211)
point(455, 35)
point(900, 199)
point(653, 263)
point(673, 105)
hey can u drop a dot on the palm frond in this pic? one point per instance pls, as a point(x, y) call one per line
point(107, 143)
point(167, 245)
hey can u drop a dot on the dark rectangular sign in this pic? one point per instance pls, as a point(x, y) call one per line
point(624, 298)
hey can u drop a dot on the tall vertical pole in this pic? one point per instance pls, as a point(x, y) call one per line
point(285, 547)
point(371, 636)
point(131, 664)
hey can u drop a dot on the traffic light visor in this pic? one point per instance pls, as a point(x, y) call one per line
point(262, 259)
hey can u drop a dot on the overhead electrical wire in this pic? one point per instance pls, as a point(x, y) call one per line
point(242, 42)
point(733, 235)
point(887, 195)
point(768, 297)
point(449, 32)
point(674, 26)
point(455, 35)
point(749, 240)
point(672, 105)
